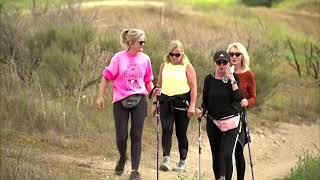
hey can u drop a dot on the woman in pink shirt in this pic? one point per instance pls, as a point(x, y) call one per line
point(131, 75)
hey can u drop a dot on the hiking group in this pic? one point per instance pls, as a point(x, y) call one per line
point(227, 92)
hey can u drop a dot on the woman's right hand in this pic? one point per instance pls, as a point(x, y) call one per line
point(199, 112)
point(100, 102)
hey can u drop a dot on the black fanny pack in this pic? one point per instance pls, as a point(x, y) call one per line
point(131, 101)
point(180, 101)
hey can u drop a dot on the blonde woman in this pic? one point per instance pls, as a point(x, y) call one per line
point(131, 75)
point(240, 60)
point(177, 79)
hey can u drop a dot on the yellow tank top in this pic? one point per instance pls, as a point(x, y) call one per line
point(174, 79)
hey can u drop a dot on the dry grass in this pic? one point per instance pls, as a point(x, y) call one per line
point(33, 121)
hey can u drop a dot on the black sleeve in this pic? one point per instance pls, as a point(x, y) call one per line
point(237, 95)
point(204, 104)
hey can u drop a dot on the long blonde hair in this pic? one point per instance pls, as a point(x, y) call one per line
point(129, 36)
point(245, 56)
point(176, 44)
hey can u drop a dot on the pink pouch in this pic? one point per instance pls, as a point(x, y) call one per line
point(228, 123)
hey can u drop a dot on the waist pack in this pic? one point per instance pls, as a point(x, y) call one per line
point(180, 101)
point(225, 124)
point(131, 101)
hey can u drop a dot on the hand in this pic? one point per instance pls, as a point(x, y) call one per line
point(229, 73)
point(191, 111)
point(244, 102)
point(156, 91)
point(100, 103)
point(199, 112)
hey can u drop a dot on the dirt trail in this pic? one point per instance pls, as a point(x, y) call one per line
point(273, 153)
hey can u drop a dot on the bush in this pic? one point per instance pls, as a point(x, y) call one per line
point(307, 167)
point(267, 3)
point(262, 65)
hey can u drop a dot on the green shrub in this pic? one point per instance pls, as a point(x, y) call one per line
point(267, 3)
point(307, 167)
point(156, 48)
point(262, 64)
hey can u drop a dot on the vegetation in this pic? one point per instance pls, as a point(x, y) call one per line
point(51, 61)
point(307, 167)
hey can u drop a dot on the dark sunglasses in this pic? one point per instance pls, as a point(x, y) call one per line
point(176, 55)
point(237, 54)
point(224, 62)
point(141, 42)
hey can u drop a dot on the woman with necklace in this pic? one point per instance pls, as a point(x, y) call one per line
point(221, 107)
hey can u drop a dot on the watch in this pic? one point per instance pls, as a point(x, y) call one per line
point(234, 82)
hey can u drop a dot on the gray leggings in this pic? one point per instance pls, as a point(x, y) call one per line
point(121, 117)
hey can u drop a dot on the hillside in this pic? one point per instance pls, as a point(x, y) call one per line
point(51, 129)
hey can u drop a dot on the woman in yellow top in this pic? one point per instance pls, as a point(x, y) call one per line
point(177, 79)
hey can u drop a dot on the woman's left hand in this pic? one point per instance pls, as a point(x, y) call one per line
point(156, 91)
point(244, 102)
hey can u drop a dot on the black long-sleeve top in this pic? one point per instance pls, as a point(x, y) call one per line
point(219, 99)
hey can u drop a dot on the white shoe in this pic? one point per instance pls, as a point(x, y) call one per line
point(181, 166)
point(165, 165)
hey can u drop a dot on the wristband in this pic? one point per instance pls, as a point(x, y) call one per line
point(151, 92)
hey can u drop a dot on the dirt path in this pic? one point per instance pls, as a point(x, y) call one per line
point(273, 153)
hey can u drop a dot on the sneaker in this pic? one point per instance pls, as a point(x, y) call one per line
point(120, 166)
point(135, 175)
point(181, 166)
point(165, 165)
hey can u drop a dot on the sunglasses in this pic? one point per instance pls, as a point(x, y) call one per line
point(224, 62)
point(176, 55)
point(141, 42)
point(237, 54)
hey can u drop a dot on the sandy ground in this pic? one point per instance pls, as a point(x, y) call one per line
point(273, 154)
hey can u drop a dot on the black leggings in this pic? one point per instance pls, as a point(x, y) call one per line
point(240, 161)
point(121, 117)
point(222, 148)
point(180, 119)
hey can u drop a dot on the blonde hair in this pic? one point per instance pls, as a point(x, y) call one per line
point(176, 44)
point(129, 36)
point(245, 56)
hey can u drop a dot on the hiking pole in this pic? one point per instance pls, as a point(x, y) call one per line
point(158, 132)
point(249, 140)
point(199, 168)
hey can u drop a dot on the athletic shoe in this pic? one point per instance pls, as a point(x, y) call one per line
point(181, 166)
point(135, 175)
point(165, 165)
point(120, 166)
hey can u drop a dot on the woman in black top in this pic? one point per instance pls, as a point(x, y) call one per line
point(221, 107)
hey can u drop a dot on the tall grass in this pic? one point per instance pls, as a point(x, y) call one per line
point(210, 4)
point(297, 4)
point(56, 107)
point(307, 167)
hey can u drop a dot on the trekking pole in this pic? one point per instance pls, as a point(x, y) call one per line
point(158, 132)
point(199, 168)
point(249, 140)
